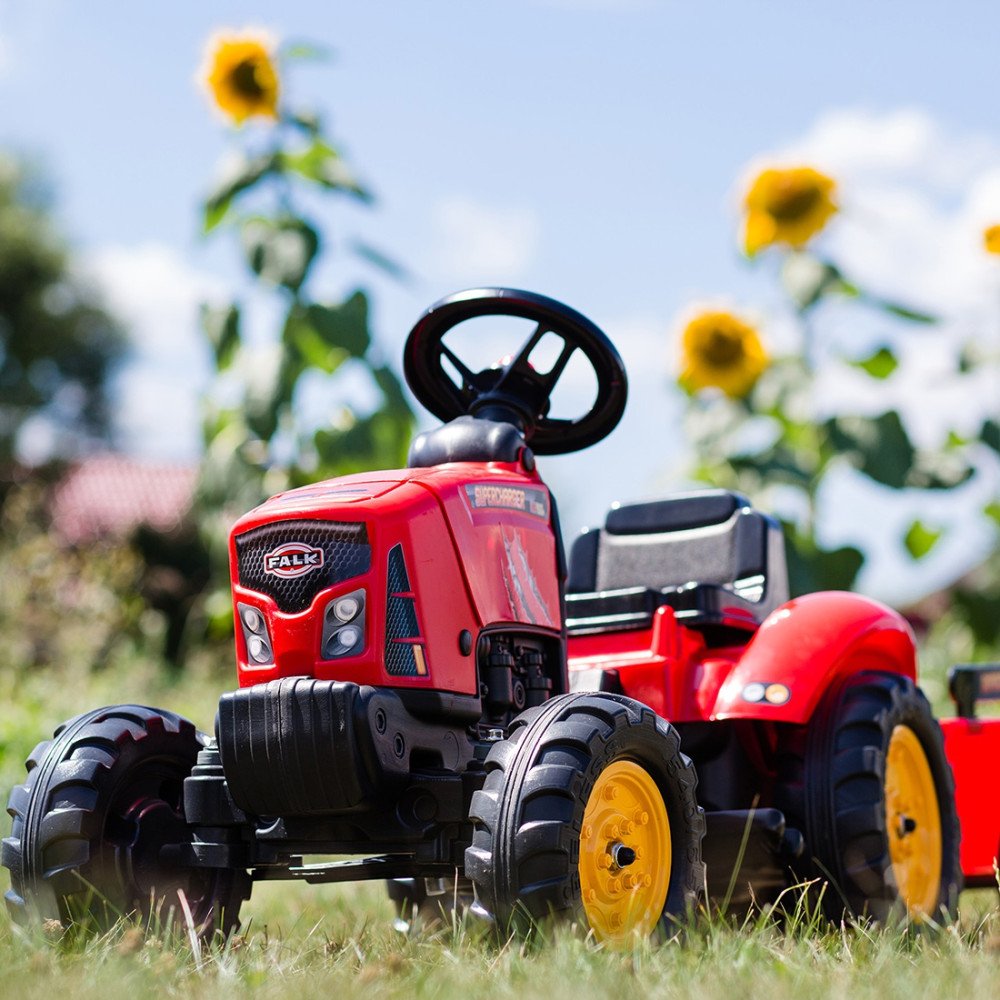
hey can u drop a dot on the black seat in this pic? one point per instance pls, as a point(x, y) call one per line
point(707, 553)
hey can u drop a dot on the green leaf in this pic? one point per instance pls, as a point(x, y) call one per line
point(270, 390)
point(805, 278)
point(305, 50)
point(343, 326)
point(383, 262)
point(992, 511)
point(811, 568)
point(880, 365)
point(396, 402)
point(879, 447)
point(245, 175)
point(903, 312)
point(920, 539)
point(222, 328)
point(979, 610)
point(323, 165)
point(990, 435)
point(280, 251)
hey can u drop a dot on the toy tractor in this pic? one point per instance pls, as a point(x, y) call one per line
point(427, 689)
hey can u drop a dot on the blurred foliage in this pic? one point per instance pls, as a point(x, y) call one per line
point(256, 440)
point(57, 344)
point(71, 608)
point(757, 428)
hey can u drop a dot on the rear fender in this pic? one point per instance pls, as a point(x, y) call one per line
point(807, 645)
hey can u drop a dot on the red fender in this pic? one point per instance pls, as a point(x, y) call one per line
point(806, 645)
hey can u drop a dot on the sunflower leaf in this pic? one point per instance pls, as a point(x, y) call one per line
point(919, 539)
point(990, 435)
point(382, 261)
point(878, 447)
point(904, 312)
point(305, 50)
point(222, 328)
point(323, 165)
point(342, 327)
point(245, 175)
point(280, 251)
point(880, 365)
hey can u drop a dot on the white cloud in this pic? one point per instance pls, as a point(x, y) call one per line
point(156, 294)
point(478, 242)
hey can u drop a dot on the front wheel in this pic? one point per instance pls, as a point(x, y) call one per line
point(870, 787)
point(100, 802)
point(588, 811)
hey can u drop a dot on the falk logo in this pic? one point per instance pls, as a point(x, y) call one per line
point(292, 559)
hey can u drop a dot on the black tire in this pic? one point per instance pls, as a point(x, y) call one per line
point(100, 800)
point(833, 787)
point(412, 901)
point(524, 860)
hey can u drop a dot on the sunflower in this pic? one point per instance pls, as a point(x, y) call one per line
point(719, 350)
point(991, 238)
point(240, 75)
point(787, 206)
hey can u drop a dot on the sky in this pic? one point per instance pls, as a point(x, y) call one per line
point(591, 150)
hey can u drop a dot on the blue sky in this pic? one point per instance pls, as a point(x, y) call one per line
point(588, 149)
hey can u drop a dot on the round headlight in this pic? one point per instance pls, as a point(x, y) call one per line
point(348, 637)
point(253, 619)
point(259, 650)
point(346, 608)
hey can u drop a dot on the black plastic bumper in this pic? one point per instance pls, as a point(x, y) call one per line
point(303, 747)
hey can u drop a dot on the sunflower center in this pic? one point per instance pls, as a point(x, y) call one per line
point(791, 201)
point(244, 80)
point(722, 349)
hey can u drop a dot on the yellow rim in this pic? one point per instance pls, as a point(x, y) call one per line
point(624, 853)
point(913, 823)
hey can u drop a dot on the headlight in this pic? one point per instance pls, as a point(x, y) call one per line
point(344, 626)
point(255, 636)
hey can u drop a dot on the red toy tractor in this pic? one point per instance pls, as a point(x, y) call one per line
point(427, 688)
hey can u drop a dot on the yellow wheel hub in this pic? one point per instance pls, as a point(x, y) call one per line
point(624, 853)
point(913, 823)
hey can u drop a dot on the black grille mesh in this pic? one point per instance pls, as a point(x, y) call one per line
point(400, 619)
point(346, 554)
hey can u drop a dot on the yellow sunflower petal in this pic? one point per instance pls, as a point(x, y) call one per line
point(991, 239)
point(788, 206)
point(719, 350)
point(758, 232)
point(240, 76)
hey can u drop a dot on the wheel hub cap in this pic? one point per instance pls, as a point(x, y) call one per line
point(913, 822)
point(625, 853)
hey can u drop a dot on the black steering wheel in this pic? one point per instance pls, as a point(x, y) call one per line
point(514, 391)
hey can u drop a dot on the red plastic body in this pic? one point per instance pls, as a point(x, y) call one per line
point(805, 645)
point(973, 750)
point(479, 549)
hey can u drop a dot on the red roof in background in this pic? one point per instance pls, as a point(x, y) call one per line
point(110, 495)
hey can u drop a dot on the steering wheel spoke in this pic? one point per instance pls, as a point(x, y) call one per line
point(516, 393)
point(460, 366)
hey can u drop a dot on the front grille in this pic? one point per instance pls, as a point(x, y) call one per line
point(346, 554)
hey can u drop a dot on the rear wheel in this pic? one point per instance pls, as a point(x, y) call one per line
point(101, 801)
point(588, 811)
point(869, 785)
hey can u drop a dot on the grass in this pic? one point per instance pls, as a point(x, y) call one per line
point(307, 941)
point(339, 942)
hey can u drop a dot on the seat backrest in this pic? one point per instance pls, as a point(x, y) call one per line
point(702, 537)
